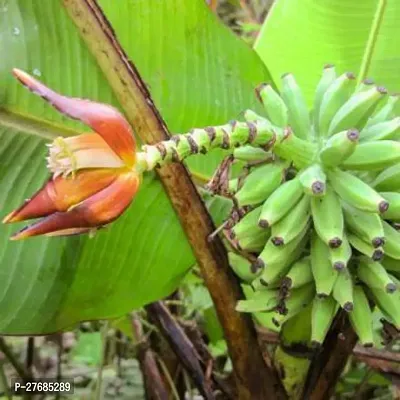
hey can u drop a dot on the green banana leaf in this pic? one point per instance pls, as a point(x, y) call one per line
point(301, 36)
point(199, 74)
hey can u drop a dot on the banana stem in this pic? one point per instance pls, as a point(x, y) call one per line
point(373, 35)
point(229, 136)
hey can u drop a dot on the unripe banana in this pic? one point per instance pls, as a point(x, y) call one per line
point(374, 155)
point(385, 113)
point(260, 183)
point(292, 224)
point(266, 300)
point(275, 107)
point(382, 131)
point(361, 317)
point(299, 274)
point(375, 254)
point(250, 153)
point(242, 267)
point(340, 256)
point(335, 96)
point(388, 303)
point(253, 243)
point(392, 241)
point(247, 226)
point(391, 264)
point(280, 202)
point(299, 118)
point(388, 180)
point(323, 313)
point(313, 180)
point(277, 259)
point(343, 290)
point(354, 191)
point(354, 111)
point(393, 212)
point(373, 274)
point(324, 275)
point(233, 185)
point(327, 78)
point(339, 147)
point(299, 299)
point(327, 217)
point(367, 225)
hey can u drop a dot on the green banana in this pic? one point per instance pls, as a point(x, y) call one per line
point(291, 225)
point(242, 267)
point(393, 212)
point(299, 299)
point(275, 107)
point(280, 202)
point(364, 85)
point(247, 226)
point(374, 155)
point(385, 113)
point(323, 313)
point(354, 191)
point(266, 300)
point(327, 217)
point(253, 243)
point(313, 180)
point(277, 259)
point(324, 275)
point(354, 111)
point(373, 274)
point(375, 254)
point(327, 78)
point(336, 94)
point(339, 147)
point(250, 153)
point(251, 116)
point(392, 241)
point(340, 256)
point(299, 274)
point(382, 131)
point(343, 290)
point(367, 225)
point(260, 183)
point(391, 264)
point(233, 185)
point(299, 118)
point(388, 180)
point(388, 303)
point(361, 317)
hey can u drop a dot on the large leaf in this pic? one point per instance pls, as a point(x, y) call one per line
point(300, 36)
point(51, 283)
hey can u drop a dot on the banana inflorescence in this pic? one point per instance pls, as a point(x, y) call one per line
point(319, 201)
point(331, 227)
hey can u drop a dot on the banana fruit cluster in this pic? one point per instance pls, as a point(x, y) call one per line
point(321, 206)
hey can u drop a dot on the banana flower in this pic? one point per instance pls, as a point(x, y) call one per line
point(94, 175)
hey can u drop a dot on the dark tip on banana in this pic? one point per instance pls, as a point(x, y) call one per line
point(378, 255)
point(258, 264)
point(369, 344)
point(378, 242)
point(339, 265)
point(383, 206)
point(381, 89)
point(326, 66)
point(315, 345)
point(353, 135)
point(335, 242)
point(368, 81)
point(263, 223)
point(286, 282)
point(277, 241)
point(350, 75)
point(318, 187)
point(259, 89)
point(348, 306)
point(390, 287)
point(322, 295)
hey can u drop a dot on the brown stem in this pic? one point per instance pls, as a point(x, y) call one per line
point(254, 379)
point(181, 345)
point(328, 364)
point(153, 382)
point(23, 373)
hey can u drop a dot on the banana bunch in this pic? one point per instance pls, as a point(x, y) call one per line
point(321, 207)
